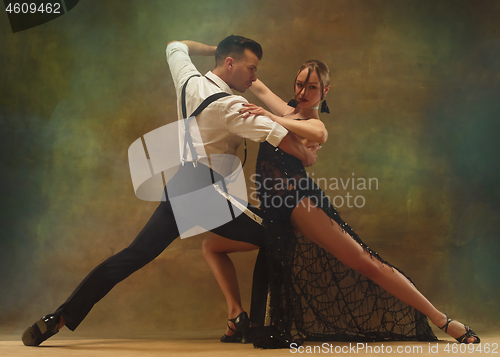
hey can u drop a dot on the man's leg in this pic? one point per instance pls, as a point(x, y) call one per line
point(158, 233)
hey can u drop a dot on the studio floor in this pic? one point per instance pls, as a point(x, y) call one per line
point(205, 343)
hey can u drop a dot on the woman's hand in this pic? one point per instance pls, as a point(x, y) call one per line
point(252, 109)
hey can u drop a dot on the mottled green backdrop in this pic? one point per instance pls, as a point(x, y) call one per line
point(414, 103)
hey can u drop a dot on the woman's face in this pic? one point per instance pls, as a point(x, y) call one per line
point(307, 95)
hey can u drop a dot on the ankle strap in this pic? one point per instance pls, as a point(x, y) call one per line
point(445, 326)
point(229, 327)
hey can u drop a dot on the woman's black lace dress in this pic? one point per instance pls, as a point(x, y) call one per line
point(312, 294)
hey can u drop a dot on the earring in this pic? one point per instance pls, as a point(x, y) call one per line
point(324, 107)
point(292, 103)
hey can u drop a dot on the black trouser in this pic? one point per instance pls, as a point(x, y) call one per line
point(159, 232)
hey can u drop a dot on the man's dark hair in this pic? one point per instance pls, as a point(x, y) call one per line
point(234, 46)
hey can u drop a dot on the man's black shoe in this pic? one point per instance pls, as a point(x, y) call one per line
point(41, 330)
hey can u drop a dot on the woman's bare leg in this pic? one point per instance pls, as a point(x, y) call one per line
point(215, 250)
point(319, 228)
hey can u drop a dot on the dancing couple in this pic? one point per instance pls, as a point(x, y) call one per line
point(324, 282)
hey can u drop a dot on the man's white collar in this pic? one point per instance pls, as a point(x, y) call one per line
point(217, 80)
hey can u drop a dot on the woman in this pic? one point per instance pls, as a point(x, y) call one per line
point(329, 285)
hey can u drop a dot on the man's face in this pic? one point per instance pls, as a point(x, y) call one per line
point(243, 71)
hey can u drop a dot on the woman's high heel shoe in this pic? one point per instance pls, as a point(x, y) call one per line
point(468, 332)
point(236, 337)
point(241, 325)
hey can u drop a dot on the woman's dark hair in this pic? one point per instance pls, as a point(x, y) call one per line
point(322, 71)
point(234, 46)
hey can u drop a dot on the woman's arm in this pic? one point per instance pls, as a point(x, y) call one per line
point(312, 129)
point(275, 103)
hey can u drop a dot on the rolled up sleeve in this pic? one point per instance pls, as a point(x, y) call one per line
point(180, 64)
point(256, 128)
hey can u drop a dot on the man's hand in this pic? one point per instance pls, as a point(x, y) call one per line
point(313, 149)
point(252, 109)
point(293, 146)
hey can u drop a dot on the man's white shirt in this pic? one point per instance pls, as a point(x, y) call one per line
point(221, 126)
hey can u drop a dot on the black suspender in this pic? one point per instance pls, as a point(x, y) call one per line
point(183, 96)
point(187, 138)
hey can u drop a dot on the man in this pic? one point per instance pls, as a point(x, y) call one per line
point(222, 128)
